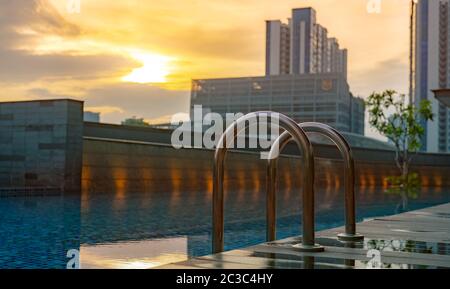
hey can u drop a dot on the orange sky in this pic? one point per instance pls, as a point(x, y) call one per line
point(49, 52)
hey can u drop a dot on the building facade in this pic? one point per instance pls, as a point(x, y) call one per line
point(302, 46)
point(303, 97)
point(277, 48)
point(91, 116)
point(41, 146)
point(432, 69)
point(357, 115)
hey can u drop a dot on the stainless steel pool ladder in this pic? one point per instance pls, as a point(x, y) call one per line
point(350, 234)
point(300, 137)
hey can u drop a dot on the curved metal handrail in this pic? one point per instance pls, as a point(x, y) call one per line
point(349, 179)
point(292, 129)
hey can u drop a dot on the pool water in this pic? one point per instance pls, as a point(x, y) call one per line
point(144, 230)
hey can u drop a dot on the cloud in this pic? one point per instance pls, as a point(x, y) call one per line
point(139, 100)
point(44, 94)
point(209, 29)
point(23, 23)
point(46, 52)
point(387, 74)
point(35, 17)
point(116, 102)
point(20, 66)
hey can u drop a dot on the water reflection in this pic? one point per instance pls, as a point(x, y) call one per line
point(386, 247)
point(170, 214)
point(144, 254)
point(37, 232)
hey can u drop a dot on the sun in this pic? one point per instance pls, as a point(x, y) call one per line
point(154, 69)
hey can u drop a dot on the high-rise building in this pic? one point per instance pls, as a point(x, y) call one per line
point(322, 54)
point(277, 48)
point(432, 69)
point(306, 79)
point(357, 115)
point(302, 46)
point(303, 40)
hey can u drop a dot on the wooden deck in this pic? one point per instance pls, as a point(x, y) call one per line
point(417, 239)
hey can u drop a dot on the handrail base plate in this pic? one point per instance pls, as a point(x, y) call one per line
point(308, 248)
point(350, 237)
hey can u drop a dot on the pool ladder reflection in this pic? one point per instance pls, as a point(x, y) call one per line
point(293, 132)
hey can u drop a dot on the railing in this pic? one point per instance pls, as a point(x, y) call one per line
point(299, 136)
point(350, 234)
point(294, 132)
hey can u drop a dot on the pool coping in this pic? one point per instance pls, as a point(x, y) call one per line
point(424, 233)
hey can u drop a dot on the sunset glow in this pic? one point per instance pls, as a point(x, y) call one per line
point(155, 69)
point(113, 49)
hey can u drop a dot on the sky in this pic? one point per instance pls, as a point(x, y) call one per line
point(137, 58)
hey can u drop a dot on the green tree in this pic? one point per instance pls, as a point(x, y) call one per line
point(400, 122)
point(134, 121)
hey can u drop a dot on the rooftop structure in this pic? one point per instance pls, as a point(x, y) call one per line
point(320, 97)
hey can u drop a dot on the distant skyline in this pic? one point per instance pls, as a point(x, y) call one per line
point(108, 54)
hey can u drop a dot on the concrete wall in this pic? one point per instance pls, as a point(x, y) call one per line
point(41, 150)
point(121, 166)
point(40, 146)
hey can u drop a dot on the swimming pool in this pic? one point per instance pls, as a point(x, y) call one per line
point(142, 230)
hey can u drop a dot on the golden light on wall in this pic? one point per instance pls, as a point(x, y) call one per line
point(385, 183)
point(372, 181)
point(241, 181)
point(120, 186)
point(209, 187)
point(254, 184)
point(425, 181)
point(120, 173)
point(437, 180)
point(256, 181)
point(362, 181)
point(328, 179)
point(120, 180)
point(175, 179)
point(337, 182)
point(86, 179)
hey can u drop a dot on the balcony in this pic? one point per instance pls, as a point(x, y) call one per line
point(443, 95)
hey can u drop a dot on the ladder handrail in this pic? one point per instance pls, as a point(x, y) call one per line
point(349, 178)
point(292, 129)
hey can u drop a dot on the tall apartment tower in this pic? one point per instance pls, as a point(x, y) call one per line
point(303, 40)
point(322, 54)
point(302, 46)
point(432, 65)
point(277, 48)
